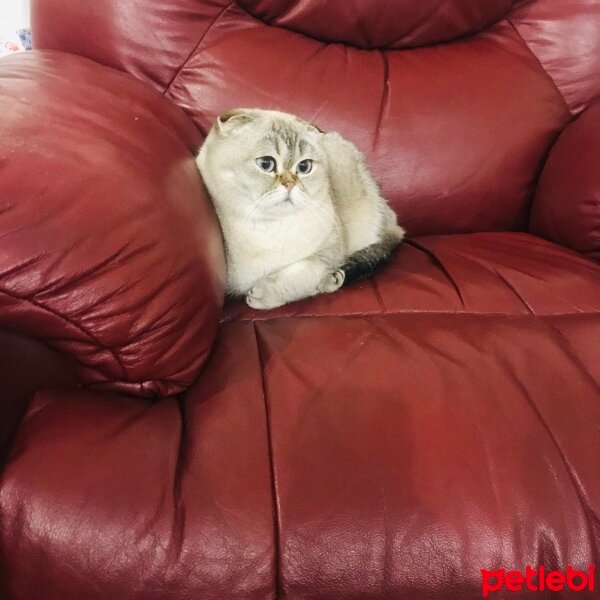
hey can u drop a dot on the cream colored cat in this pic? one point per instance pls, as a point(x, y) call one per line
point(299, 210)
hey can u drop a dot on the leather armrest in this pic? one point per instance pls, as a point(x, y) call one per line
point(566, 208)
point(110, 251)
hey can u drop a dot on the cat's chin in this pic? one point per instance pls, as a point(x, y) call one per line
point(282, 208)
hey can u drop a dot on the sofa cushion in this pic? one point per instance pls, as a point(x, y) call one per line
point(438, 420)
point(455, 134)
point(410, 451)
point(565, 38)
point(566, 207)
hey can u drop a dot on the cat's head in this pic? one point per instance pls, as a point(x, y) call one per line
point(262, 164)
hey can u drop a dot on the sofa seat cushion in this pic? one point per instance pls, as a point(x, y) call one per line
point(441, 419)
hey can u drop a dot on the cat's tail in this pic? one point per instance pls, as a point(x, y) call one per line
point(364, 262)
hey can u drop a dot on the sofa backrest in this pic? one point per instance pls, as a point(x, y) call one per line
point(456, 103)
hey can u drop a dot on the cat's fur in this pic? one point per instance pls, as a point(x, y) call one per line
point(290, 235)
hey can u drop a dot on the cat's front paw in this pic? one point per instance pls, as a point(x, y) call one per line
point(332, 282)
point(264, 295)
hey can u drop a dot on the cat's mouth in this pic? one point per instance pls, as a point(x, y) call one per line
point(283, 199)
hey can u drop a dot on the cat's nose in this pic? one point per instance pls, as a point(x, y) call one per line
point(288, 180)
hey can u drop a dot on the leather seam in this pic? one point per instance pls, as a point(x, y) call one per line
point(412, 313)
point(91, 337)
point(541, 65)
point(196, 47)
point(276, 512)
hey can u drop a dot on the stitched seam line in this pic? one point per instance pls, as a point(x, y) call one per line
point(91, 337)
point(539, 62)
point(413, 313)
point(276, 515)
point(195, 48)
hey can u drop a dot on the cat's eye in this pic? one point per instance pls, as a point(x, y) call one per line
point(266, 163)
point(304, 166)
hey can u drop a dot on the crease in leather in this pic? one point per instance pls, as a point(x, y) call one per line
point(423, 342)
point(430, 13)
point(568, 349)
point(116, 258)
point(513, 289)
point(592, 520)
point(440, 265)
point(178, 525)
point(90, 336)
point(24, 265)
point(196, 47)
point(277, 584)
point(385, 97)
point(377, 295)
point(352, 352)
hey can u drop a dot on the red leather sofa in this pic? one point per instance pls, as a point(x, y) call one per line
point(388, 441)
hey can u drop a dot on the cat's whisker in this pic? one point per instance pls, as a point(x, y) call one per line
point(250, 213)
point(314, 208)
point(311, 120)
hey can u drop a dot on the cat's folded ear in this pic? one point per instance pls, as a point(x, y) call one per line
point(232, 119)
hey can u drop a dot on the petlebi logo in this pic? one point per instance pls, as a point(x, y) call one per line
point(538, 580)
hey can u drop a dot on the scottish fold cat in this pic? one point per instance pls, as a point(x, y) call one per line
point(299, 210)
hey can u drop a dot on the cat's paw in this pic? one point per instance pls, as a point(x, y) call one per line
point(332, 282)
point(264, 295)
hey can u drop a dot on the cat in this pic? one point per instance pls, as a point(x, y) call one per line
point(299, 210)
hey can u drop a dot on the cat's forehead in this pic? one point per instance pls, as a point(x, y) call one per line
point(288, 137)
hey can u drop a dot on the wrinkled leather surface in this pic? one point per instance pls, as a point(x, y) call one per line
point(466, 124)
point(566, 208)
point(26, 365)
point(380, 23)
point(387, 441)
point(150, 39)
point(435, 433)
point(455, 134)
point(110, 250)
point(507, 273)
point(453, 425)
point(111, 497)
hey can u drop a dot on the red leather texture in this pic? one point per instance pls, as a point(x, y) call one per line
point(462, 159)
point(565, 37)
point(150, 39)
point(382, 24)
point(387, 441)
point(566, 208)
point(449, 426)
point(26, 365)
point(111, 497)
point(507, 273)
point(475, 144)
point(452, 427)
point(110, 250)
